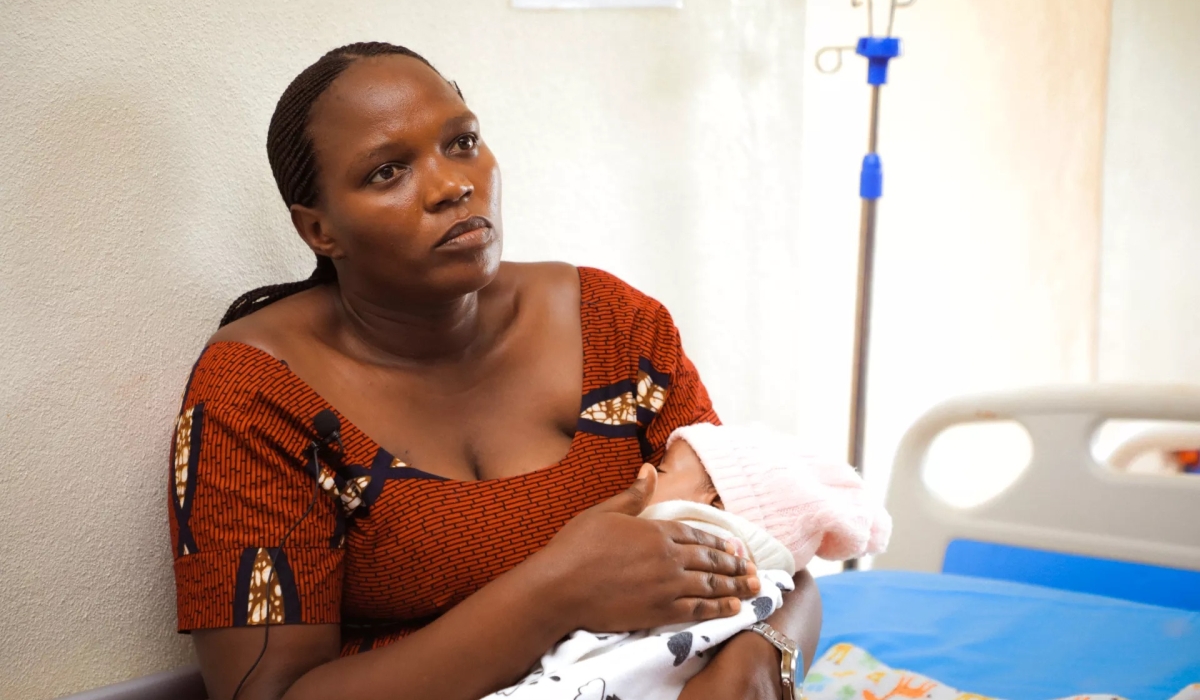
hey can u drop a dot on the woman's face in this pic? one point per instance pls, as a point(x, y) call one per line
point(410, 194)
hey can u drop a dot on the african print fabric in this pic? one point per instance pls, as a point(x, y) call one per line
point(388, 548)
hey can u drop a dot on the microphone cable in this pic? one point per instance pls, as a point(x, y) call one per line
point(328, 428)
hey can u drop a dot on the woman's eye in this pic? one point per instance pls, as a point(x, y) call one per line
point(467, 142)
point(384, 174)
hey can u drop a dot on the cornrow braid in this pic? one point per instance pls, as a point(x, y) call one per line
point(259, 297)
point(293, 159)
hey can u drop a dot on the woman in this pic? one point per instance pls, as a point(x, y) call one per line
point(360, 469)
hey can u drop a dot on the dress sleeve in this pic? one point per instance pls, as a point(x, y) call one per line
point(669, 391)
point(239, 480)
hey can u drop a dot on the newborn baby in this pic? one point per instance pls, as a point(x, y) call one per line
point(750, 486)
point(811, 506)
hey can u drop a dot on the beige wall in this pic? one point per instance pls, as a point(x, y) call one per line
point(1149, 329)
point(669, 147)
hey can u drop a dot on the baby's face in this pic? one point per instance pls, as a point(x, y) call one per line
point(681, 477)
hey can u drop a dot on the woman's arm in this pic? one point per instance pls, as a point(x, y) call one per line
point(747, 667)
point(485, 643)
point(605, 571)
point(799, 618)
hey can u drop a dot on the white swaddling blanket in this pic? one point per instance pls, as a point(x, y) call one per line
point(655, 664)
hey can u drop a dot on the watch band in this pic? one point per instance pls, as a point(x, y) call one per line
point(791, 665)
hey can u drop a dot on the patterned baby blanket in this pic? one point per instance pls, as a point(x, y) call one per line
point(847, 672)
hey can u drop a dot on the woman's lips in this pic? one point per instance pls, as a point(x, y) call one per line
point(468, 233)
point(475, 238)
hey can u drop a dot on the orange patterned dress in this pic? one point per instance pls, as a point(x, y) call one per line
point(387, 548)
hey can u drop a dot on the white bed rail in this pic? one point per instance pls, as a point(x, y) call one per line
point(1156, 440)
point(1065, 500)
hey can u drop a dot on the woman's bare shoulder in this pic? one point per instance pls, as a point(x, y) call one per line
point(274, 328)
point(565, 287)
point(554, 284)
point(545, 274)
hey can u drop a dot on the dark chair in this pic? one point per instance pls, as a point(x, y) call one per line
point(181, 684)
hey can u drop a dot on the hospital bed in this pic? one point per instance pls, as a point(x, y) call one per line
point(1077, 578)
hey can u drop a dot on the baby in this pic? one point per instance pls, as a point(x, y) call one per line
point(752, 487)
point(811, 507)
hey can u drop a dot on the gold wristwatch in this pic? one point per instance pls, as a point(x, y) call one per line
point(791, 667)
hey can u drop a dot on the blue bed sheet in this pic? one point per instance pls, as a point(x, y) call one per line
point(1011, 640)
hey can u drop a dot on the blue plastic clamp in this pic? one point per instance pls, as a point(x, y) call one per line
point(870, 184)
point(878, 51)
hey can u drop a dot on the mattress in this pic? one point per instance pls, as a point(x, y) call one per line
point(1011, 640)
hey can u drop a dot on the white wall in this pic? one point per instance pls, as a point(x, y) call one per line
point(1150, 328)
point(669, 147)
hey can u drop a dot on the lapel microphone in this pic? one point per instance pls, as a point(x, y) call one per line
point(329, 429)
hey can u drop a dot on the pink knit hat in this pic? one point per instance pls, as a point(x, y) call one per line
point(812, 506)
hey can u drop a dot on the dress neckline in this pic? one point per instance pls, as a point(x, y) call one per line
point(348, 426)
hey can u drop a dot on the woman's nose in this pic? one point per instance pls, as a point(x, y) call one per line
point(450, 188)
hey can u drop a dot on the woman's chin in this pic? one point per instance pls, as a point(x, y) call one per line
point(470, 274)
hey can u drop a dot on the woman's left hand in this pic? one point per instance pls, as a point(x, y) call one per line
point(747, 667)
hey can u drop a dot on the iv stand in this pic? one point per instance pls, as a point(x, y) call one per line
point(878, 51)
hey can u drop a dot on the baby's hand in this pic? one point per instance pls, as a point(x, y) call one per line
point(739, 547)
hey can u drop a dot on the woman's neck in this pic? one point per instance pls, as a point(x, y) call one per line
point(422, 333)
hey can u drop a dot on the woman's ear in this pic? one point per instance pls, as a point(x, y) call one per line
point(309, 225)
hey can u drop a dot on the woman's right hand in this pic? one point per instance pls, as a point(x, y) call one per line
point(612, 571)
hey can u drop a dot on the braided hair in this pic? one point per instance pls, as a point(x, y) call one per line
point(294, 162)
